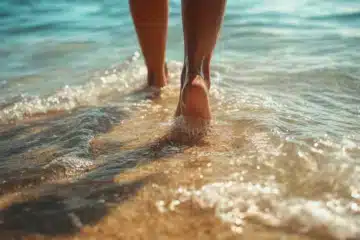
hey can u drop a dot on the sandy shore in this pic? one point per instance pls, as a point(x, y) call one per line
point(138, 201)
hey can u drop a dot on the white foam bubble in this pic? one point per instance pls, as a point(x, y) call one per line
point(236, 202)
point(71, 164)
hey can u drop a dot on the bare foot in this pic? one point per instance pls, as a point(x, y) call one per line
point(194, 100)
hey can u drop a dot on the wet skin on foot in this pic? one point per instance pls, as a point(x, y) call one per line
point(194, 100)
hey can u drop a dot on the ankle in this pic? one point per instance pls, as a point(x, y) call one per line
point(193, 73)
point(157, 78)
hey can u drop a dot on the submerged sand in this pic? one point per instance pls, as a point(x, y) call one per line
point(116, 172)
point(138, 201)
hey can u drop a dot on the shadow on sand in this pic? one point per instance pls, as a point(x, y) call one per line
point(56, 213)
point(28, 148)
point(65, 208)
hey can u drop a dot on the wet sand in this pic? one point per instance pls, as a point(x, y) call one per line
point(132, 199)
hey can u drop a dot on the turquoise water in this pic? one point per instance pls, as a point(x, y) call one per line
point(51, 43)
point(309, 49)
point(290, 66)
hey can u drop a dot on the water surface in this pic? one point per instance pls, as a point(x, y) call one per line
point(80, 143)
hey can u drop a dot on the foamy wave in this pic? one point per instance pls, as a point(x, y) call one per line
point(118, 79)
point(236, 202)
point(71, 165)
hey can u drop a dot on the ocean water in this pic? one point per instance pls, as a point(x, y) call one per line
point(285, 98)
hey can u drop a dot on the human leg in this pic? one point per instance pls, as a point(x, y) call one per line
point(150, 18)
point(201, 23)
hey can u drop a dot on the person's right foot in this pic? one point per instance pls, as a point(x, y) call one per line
point(194, 101)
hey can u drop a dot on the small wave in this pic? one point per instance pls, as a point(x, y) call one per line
point(119, 79)
point(345, 16)
point(30, 28)
point(236, 203)
point(51, 148)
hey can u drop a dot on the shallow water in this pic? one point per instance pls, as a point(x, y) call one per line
point(79, 137)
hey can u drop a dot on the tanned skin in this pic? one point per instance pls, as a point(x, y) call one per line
point(202, 20)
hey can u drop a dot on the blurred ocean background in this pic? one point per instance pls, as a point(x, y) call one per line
point(286, 82)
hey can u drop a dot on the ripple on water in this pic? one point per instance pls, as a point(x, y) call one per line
point(52, 146)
